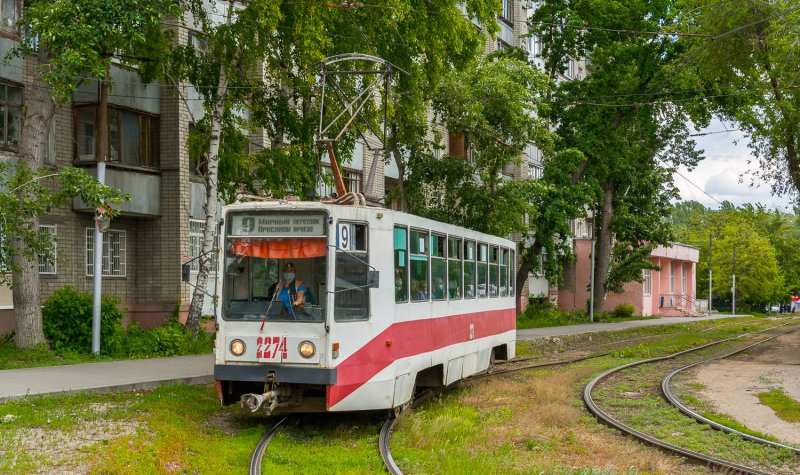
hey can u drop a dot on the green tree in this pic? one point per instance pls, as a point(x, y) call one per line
point(626, 120)
point(750, 63)
point(288, 39)
point(777, 235)
point(758, 277)
point(499, 105)
point(65, 42)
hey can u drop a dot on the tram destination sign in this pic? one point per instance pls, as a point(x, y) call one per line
point(285, 225)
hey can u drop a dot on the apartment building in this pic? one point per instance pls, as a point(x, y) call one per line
point(158, 228)
point(161, 226)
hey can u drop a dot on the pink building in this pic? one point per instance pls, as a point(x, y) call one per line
point(670, 291)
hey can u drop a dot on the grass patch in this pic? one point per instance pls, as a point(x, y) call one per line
point(728, 421)
point(531, 422)
point(557, 318)
point(134, 343)
point(784, 406)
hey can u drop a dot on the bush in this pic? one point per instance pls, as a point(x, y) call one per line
point(159, 341)
point(624, 310)
point(67, 318)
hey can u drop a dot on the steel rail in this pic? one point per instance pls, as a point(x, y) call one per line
point(384, 444)
point(629, 340)
point(385, 438)
point(709, 461)
point(677, 402)
point(258, 454)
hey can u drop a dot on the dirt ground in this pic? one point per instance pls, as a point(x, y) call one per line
point(733, 385)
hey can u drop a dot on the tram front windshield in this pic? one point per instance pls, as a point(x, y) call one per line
point(275, 266)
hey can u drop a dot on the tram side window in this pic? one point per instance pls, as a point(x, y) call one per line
point(483, 267)
point(454, 268)
point(494, 260)
point(400, 264)
point(419, 266)
point(438, 267)
point(469, 270)
point(503, 272)
point(511, 274)
point(352, 294)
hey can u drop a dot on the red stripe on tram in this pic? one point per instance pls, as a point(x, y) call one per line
point(414, 338)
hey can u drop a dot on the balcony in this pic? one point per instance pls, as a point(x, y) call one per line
point(143, 186)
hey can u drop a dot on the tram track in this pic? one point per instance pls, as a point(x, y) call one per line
point(393, 419)
point(257, 458)
point(707, 460)
point(678, 403)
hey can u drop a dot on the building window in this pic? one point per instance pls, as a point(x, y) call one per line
point(47, 263)
point(10, 115)
point(683, 278)
point(672, 277)
point(8, 13)
point(114, 255)
point(648, 282)
point(535, 172)
point(502, 45)
point(351, 178)
point(570, 69)
point(536, 45)
point(132, 136)
point(507, 13)
point(196, 229)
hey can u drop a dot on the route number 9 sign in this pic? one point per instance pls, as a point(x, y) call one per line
point(345, 236)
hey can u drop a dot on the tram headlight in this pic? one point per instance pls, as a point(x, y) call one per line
point(238, 347)
point(307, 349)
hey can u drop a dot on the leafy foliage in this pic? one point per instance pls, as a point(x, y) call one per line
point(44, 191)
point(752, 69)
point(623, 118)
point(766, 251)
point(67, 318)
point(84, 36)
point(624, 310)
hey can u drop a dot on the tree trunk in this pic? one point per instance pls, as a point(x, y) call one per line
point(211, 206)
point(401, 169)
point(521, 277)
point(38, 115)
point(603, 249)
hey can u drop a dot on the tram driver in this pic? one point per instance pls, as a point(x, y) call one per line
point(291, 291)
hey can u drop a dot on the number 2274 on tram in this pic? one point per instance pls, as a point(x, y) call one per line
point(345, 308)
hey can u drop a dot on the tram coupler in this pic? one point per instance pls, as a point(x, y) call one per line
point(268, 401)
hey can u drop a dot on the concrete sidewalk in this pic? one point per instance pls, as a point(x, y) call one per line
point(536, 333)
point(149, 373)
point(108, 376)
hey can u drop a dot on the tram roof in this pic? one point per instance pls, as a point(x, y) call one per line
point(398, 217)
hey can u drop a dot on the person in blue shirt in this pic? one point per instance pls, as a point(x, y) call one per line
point(291, 291)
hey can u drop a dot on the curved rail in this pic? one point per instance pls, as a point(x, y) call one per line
point(258, 454)
point(384, 443)
point(675, 401)
point(709, 461)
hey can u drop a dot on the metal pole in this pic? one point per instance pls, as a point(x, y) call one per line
point(710, 273)
point(734, 280)
point(591, 288)
point(98, 270)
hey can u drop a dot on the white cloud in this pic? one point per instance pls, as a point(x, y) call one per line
point(725, 173)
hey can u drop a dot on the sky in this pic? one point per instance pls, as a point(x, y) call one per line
point(724, 173)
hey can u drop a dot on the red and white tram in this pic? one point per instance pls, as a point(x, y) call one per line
point(393, 302)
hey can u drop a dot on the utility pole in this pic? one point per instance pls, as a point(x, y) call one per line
point(710, 273)
point(734, 279)
point(102, 151)
point(591, 287)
